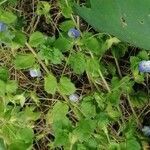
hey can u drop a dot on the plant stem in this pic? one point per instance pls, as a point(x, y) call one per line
point(3, 2)
point(133, 111)
point(105, 82)
point(39, 60)
point(117, 64)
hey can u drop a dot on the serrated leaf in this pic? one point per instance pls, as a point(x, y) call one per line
point(92, 67)
point(7, 17)
point(18, 145)
point(26, 135)
point(84, 129)
point(92, 44)
point(36, 39)
point(66, 25)
point(11, 86)
point(66, 8)
point(19, 39)
point(24, 61)
point(77, 62)
point(65, 86)
point(4, 74)
point(139, 99)
point(143, 55)
point(50, 84)
point(62, 44)
point(88, 107)
point(56, 56)
point(43, 8)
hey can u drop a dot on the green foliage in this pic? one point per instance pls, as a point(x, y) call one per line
point(65, 86)
point(97, 68)
point(43, 8)
point(50, 84)
point(66, 25)
point(77, 62)
point(24, 61)
point(7, 17)
point(66, 8)
point(4, 74)
point(36, 39)
point(63, 44)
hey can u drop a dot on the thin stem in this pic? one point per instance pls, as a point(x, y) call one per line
point(105, 82)
point(102, 77)
point(39, 60)
point(118, 68)
point(3, 2)
point(133, 111)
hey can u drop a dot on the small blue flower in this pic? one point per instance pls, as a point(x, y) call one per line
point(74, 97)
point(35, 72)
point(73, 33)
point(144, 66)
point(146, 130)
point(3, 27)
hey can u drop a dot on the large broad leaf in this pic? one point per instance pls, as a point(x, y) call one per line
point(128, 20)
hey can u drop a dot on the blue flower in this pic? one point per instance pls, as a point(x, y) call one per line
point(144, 66)
point(3, 27)
point(35, 72)
point(73, 33)
point(146, 130)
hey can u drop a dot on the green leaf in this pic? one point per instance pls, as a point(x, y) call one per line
point(50, 84)
point(65, 86)
point(119, 50)
point(88, 107)
point(143, 55)
point(77, 62)
point(61, 138)
point(84, 129)
point(62, 44)
point(113, 113)
point(18, 145)
point(103, 121)
point(19, 39)
point(7, 17)
point(114, 146)
point(24, 61)
point(52, 54)
point(26, 135)
point(139, 78)
point(114, 97)
point(28, 115)
point(4, 74)
point(92, 67)
point(11, 86)
point(56, 56)
point(92, 44)
point(36, 39)
point(109, 42)
point(127, 23)
point(43, 8)
point(58, 112)
point(66, 8)
point(66, 25)
point(139, 99)
point(124, 85)
point(132, 144)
